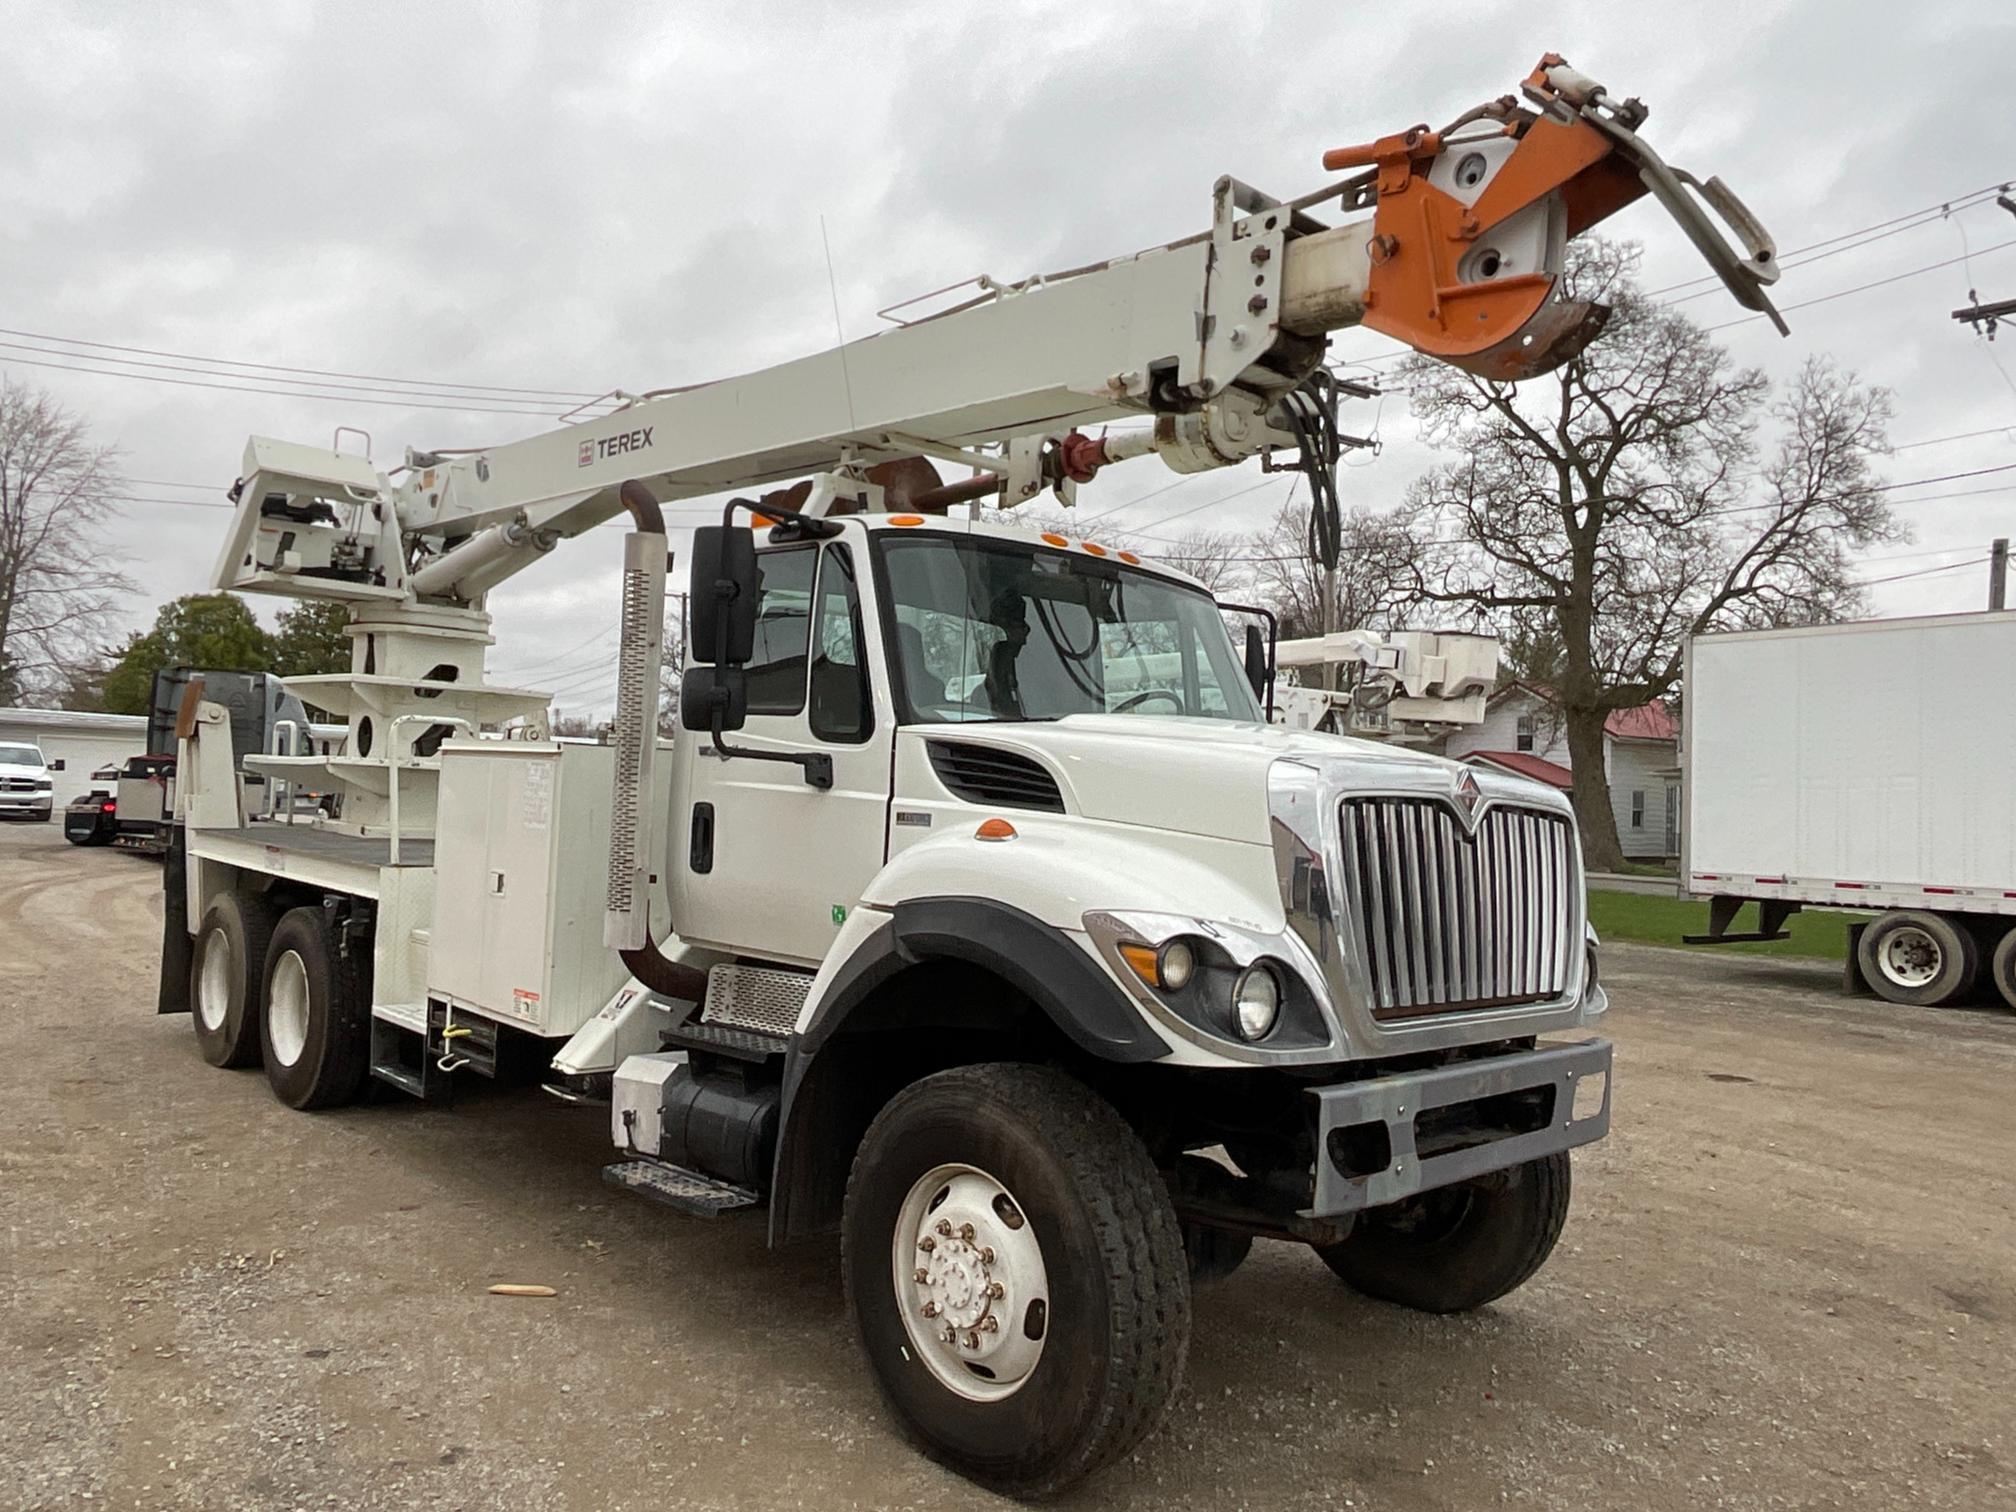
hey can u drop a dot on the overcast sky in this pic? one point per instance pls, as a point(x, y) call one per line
point(578, 198)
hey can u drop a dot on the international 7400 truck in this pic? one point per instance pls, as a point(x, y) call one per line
point(975, 911)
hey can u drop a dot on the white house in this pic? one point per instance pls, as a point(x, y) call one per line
point(1523, 732)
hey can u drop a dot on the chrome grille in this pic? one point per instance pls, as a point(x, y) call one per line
point(1445, 919)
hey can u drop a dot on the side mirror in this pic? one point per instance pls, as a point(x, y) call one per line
point(714, 698)
point(1256, 661)
point(723, 609)
point(56, 765)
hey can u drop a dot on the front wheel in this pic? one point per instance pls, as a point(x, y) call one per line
point(1461, 1246)
point(1017, 1275)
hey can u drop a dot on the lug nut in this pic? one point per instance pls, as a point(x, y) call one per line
point(995, 1289)
point(951, 1334)
point(923, 1276)
point(972, 1341)
point(966, 1232)
point(990, 1324)
point(987, 1255)
point(945, 1227)
point(927, 1244)
point(930, 1309)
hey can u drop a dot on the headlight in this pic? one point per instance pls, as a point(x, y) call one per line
point(1175, 964)
point(1256, 1003)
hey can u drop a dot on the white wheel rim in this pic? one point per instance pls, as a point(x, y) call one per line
point(213, 980)
point(287, 1008)
point(1910, 957)
point(970, 1282)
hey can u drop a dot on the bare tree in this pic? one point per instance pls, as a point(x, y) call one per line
point(1372, 587)
point(1624, 501)
point(1215, 558)
point(57, 492)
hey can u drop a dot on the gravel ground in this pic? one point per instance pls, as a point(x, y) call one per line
point(1787, 1282)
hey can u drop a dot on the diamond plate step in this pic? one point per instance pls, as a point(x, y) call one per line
point(725, 1039)
point(678, 1188)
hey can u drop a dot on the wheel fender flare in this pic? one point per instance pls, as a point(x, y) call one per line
point(1039, 960)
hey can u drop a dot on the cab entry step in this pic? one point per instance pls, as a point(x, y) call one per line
point(678, 1188)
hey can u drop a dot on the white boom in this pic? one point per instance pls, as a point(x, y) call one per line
point(1453, 243)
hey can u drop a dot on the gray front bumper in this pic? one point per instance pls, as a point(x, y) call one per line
point(1396, 1100)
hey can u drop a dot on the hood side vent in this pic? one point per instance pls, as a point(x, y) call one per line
point(990, 775)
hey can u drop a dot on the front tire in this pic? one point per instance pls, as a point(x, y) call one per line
point(1922, 960)
point(1458, 1247)
point(315, 1034)
point(1059, 1270)
point(226, 979)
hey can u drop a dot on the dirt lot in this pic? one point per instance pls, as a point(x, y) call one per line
point(1790, 1281)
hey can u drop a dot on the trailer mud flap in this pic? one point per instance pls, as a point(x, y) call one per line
point(177, 949)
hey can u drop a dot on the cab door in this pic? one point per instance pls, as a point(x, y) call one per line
point(770, 865)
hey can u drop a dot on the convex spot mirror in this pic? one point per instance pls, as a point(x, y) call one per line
point(714, 698)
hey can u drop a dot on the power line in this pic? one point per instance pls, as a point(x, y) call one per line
point(238, 388)
point(273, 367)
point(1911, 220)
point(1863, 288)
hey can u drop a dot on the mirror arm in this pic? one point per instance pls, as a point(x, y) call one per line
point(817, 764)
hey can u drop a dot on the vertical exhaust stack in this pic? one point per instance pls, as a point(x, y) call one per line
point(626, 923)
point(641, 658)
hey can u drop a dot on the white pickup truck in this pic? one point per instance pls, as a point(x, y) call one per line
point(27, 783)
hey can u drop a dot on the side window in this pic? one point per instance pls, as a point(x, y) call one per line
point(841, 706)
point(1637, 809)
point(783, 613)
point(1525, 736)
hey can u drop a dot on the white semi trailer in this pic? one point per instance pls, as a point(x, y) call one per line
point(974, 901)
point(1866, 766)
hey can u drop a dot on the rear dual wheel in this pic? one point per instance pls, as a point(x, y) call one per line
point(316, 1031)
point(226, 978)
point(1920, 959)
point(2003, 968)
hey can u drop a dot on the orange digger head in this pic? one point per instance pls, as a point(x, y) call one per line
point(1470, 223)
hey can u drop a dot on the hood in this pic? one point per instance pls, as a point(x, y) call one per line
point(1204, 776)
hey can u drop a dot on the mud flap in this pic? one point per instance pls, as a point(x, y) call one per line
point(177, 949)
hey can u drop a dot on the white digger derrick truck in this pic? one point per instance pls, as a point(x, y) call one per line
point(975, 910)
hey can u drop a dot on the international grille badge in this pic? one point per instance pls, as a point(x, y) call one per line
point(1467, 796)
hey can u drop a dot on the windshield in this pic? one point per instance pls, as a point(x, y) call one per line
point(990, 629)
point(20, 755)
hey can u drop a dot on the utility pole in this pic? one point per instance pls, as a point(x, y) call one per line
point(1998, 573)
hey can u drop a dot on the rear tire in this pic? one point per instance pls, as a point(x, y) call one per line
point(1461, 1246)
point(315, 1034)
point(2002, 969)
point(1919, 959)
point(1084, 1345)
point(227, 978)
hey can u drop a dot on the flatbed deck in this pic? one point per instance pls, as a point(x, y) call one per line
point(314, 854)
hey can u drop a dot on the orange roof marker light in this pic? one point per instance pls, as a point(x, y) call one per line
point(906, 519)
point(1130, 559)
point(1095, 550)
point(1054, 539)
point(994, 829)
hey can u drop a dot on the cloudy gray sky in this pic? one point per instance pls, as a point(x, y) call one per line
point(572, 198)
